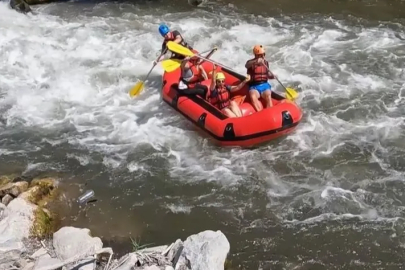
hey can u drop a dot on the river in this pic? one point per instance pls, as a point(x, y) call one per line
point(331, 195)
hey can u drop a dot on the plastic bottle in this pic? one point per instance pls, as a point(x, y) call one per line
point(86, 196)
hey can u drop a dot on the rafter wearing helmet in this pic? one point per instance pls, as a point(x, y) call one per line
point(174, 36)
point(258, 69)
point(220, 95)
point(192, 73)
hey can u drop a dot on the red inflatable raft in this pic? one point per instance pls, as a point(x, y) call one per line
point(250, 129)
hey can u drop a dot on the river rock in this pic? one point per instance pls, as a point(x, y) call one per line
point(47, 182)
point(157, 249)
point(31, 194)
point(38, 2)
point(205, 250)
point(14, 189)
point(5, 180)
point(70, 242)
point(15, 224)
point(46, 262)
point(127, 262)
point(152, 267)
point(176, 249)
point(20, 6)
point(6, 199)
point(195, 2)
point(2, 210)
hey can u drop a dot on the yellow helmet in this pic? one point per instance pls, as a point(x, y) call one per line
point(220, 76)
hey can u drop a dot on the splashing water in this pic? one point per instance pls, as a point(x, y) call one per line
point(65, 108)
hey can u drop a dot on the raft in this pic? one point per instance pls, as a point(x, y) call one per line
point(251, 129)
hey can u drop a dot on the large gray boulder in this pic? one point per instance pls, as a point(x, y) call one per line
point(70, 242)
point(15, 224)
point(205, 250)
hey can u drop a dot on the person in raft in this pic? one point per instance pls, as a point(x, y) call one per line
point(258, 69)
point(220, 95)
point(174, 36)
point(192, 73)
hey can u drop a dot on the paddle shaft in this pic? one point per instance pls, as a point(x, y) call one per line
point(240, 75)
point(276, 78)
point(154, 65)
point(139, 86)
point(209, 55)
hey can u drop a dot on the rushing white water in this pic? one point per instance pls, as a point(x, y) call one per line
point(67, 79)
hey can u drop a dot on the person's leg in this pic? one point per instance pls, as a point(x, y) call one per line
point(197, 89)
point(254, 97)
point(228, 112)
point(235, 109)
point(265, 92)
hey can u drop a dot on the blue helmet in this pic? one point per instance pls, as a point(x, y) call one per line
point(163, 29)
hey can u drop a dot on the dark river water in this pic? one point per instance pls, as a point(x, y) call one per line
point(329, 196)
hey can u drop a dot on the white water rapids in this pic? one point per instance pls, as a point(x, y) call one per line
point(64, 82)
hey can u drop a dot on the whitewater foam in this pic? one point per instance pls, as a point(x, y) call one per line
point(75, 74)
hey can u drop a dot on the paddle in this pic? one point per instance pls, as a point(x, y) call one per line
point(170, 65)
point(290, 93)
point(177, 48)
point(137, 89)
point(209, 55)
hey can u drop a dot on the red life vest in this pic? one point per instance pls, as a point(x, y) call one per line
point(258, 73)
point(220, 97)
point(196, 75)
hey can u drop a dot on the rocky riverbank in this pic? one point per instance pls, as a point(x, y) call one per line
point(31, 240)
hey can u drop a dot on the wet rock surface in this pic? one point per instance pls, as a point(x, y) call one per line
point(28, 240)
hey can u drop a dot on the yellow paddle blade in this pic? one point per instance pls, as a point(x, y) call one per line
point(177, 48)
point(170, 65)
point(137, 89)
point(291, 93)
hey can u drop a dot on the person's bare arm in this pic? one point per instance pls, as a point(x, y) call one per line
point(240, 85)
point(214, 73)
point(203, 73)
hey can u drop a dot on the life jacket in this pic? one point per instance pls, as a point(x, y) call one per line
point(220, 97)
point(258, 73)
point(196, 75)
